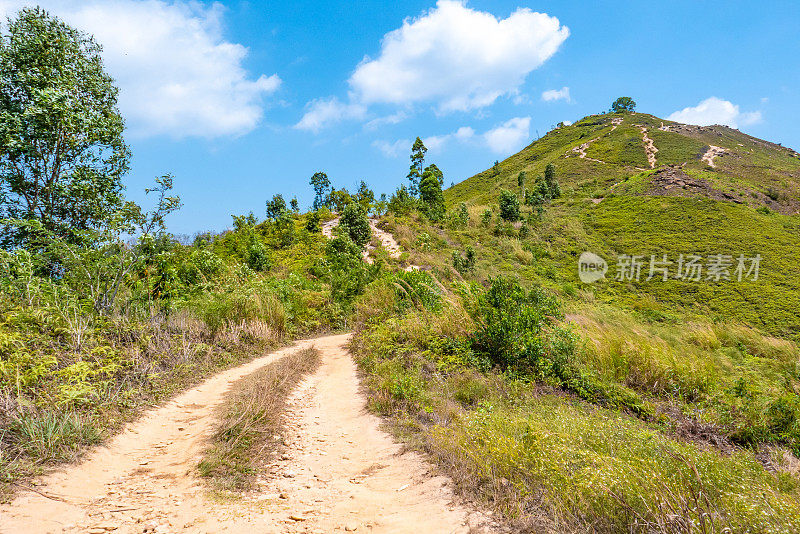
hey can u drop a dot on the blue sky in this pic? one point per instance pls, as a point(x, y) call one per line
point(241, 100)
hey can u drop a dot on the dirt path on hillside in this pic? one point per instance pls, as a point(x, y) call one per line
point(649, 148)
point(341, 473)
point(711, 153)
point(386, 240)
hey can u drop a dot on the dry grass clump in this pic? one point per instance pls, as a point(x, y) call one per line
point(250, 420)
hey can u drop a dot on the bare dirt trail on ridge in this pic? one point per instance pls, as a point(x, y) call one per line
point(341, 472)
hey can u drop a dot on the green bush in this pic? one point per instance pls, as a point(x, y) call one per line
point(509, 206)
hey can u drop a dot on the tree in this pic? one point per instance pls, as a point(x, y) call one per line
point(430, 192)
point(509, 206)
point(62, 152)
point(355, 223)
point(365, 196)
point(322, 185)
point(401, 202)
point(550, 179)
point(623, 103)
point(276, 207)
point(496, 169)
point(338, 199)
point(521, 180)
point(294, 205)
point(418, 151)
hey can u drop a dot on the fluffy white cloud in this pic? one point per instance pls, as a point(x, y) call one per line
point(324, 111)
point(504, 139)
point(716, 111)
point(556, 94)
point(509, 136)
point(177, 74)
point(457, 58)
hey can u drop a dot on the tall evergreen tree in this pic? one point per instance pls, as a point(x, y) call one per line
point(418, 151)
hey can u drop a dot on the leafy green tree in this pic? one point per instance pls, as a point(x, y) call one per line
point(365, 196)
point(496, 169)
point(623, 103)
point(430, 192)
point(276, 207)
point(294, 205)
point(550, 179)
point(98, 263)
point(284, 229)
point(322, 185)
point(338, 199)
point(401, 202)
point(521, 180)
point(355, 224)
point(312, 222)
point(509, 206)
point(62, 152)
point(418, 151)
point(381, 205)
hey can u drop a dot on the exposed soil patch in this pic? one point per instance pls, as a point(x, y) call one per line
point(672, 181)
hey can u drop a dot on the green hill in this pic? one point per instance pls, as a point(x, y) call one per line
point(614, 203)
point(620, 405)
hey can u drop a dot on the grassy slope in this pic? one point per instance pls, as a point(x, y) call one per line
point(717, 360)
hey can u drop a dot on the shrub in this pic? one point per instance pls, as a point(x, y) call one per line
point(464, 263)
point(509, 206)
point(486, 217)
point(355, 223)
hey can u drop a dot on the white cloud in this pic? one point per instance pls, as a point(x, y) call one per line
point(324, 111)
point(504, 139)
point(393, 150)
point(716, 111)
point(510, 136)
point(177, 74)
point(457, 58)
point(394, 118)
point(556, 94)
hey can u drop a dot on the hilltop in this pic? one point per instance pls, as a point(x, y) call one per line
point(634, 184)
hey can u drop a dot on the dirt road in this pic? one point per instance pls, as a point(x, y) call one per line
point(341, 472)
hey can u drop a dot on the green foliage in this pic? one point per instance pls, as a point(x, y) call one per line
point(509, 206)
point(276, 207)
point(430, 192)
point(623, 103)
point(459, 218)
point(486, 217)
point(418, 289)
point(521, 180)
point(355, 224)
point(365, 196)
point(402, 202)
point(418, 151)
point(338, 200)
point(466, 262)
point(312, 222)
point(54, 88)
point(322, 185)
point(550, 180)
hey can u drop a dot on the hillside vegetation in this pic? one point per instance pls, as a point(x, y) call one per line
point(644, 405)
